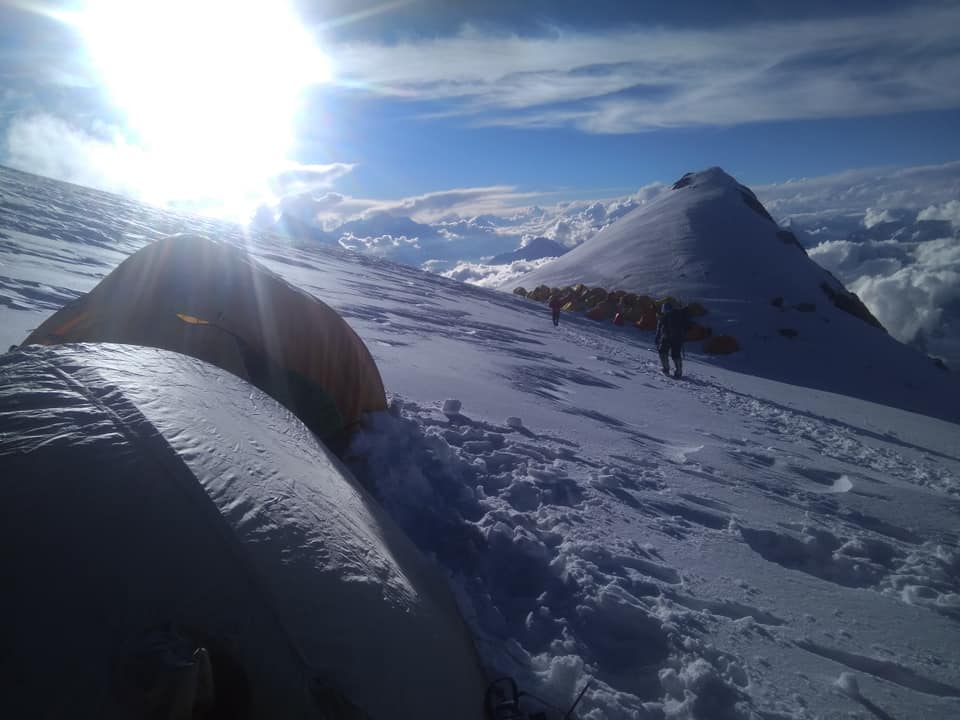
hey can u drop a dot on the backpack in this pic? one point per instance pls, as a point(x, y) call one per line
point(675, 324)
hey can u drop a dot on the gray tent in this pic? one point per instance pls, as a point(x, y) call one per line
point(161, 519)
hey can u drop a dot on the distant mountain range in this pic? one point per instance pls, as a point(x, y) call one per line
point(536, 249)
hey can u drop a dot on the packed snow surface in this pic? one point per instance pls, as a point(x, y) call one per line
point(723, 546)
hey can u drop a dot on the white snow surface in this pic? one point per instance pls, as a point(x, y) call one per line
point(724, 546)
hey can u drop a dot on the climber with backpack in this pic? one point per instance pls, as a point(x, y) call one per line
point(672, 325)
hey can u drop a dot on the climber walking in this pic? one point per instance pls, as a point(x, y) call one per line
point(672, 324)
point(555, 306)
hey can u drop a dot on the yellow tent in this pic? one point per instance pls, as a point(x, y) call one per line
point(213, 301)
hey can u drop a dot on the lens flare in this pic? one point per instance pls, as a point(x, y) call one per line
point(209, 88)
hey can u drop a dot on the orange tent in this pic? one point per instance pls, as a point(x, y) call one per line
point(696, 332)
point(721, 345)
point(602, 311)
point(648, 321)
point(213, 301)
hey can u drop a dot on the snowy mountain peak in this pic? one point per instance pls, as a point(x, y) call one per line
point(712, 176)
point(536, 249)
point(709, 239)
point(715, 180)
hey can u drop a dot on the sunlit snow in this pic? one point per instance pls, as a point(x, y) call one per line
point(725, 546)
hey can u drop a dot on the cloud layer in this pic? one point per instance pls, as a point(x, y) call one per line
point(854, 191)
point(49, 146)
point(467, 225)
point(493, 276)
point(910, 281)
point(638, 79)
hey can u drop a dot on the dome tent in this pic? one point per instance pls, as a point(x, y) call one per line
point(213, 301)
point(142, 489)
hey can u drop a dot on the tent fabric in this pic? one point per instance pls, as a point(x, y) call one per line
point(697, 332)
point(145, 492)
point(721, 345)
point(213, 301)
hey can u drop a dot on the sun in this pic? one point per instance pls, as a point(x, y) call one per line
point(209, 88)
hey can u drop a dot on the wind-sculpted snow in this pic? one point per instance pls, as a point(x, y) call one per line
point(496, 511)
point(550, 594)
point(723, 546)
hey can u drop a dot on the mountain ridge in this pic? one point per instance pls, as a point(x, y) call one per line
point(536, 249)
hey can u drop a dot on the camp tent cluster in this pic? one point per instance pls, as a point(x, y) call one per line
point(178, 544)
point(627, 308)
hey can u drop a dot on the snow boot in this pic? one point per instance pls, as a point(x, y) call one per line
point(678, 373)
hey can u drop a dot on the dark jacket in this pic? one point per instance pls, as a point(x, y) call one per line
point(672, 327)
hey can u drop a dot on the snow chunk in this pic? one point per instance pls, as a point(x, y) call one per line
point(847, 682)
point(451, 406)
point(697, 691)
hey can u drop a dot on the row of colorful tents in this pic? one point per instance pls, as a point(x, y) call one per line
point(628, 308)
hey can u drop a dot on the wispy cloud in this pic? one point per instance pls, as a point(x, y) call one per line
point(39, 48)
point(853, 192)
point(331, 209)
point(458, 230)
point(462, 202)
point(47, 145)
point(493, 276)
point(297, 178)
point(641, 78)
point(949, 211)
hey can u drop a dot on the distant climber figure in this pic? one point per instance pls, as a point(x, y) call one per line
point(671, 331)
point(555, 306)
point(618, 313)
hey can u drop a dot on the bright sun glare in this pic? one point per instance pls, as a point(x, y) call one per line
point(210, 88)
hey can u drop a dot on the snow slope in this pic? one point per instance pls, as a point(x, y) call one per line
point(727, 546)
point(709, 239)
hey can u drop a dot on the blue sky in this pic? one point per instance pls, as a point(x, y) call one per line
point(534, 100)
